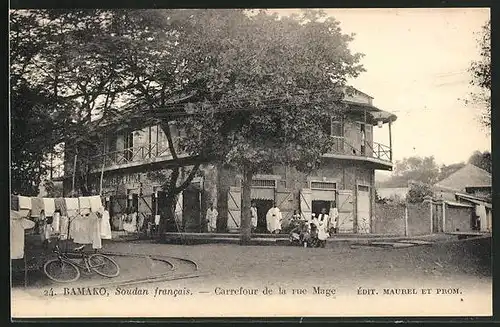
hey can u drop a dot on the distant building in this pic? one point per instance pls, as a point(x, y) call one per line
point(469, 185)
point(469, 179)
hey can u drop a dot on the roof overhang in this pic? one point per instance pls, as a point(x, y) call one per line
point(373, 163)
point(474, 199)
point(374, 114)
point(459, 204)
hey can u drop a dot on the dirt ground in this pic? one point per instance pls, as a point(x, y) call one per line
point(440, 261)
point(464, 265)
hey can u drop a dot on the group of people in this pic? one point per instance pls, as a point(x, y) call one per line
point(314, 232)
point(273, 218)
point(309, 230)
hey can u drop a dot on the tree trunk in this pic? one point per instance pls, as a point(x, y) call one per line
point(245, 228)
point(167, 215)
point(222, 191)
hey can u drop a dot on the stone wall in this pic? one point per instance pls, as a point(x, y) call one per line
point(419, 219)
point(458, 218)
point(389, 219)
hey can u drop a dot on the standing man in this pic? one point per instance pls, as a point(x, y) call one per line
point(334, 220)
point(211, 217)
point(253, 210)
point(323, 222)
point(273, 220)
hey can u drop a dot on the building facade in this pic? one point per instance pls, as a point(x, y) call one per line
point(134, 164)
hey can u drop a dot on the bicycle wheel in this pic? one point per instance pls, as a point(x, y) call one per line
point(104, 265)
point(61, 271)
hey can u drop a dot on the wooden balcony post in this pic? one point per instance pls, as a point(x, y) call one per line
point(390, 141)
point(149, 142)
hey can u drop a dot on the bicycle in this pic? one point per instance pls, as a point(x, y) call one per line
point(64, 269)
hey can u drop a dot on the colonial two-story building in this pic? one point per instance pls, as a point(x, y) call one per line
point(133, 165)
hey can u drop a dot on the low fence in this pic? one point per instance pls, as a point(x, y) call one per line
point(427, 217)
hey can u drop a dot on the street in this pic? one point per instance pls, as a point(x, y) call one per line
point(458, 271)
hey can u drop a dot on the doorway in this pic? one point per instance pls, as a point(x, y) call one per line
point(191, 210)
point(317, 205)
point(263, 207)
point(171, 225)
point(363, 209)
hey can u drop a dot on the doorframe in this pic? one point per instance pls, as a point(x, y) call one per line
point(369, 206)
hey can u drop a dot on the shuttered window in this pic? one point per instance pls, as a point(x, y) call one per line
point(363, 188)
point(323, 185)
point(271, 183)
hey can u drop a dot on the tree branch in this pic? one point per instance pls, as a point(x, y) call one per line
point(166, 129)
point(189, 179)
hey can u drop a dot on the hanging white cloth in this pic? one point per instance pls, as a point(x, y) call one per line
point(18, 224)
point(273, 219)
point(72, 206)
point(63, 227)
point(105, 226)
point(84, 203)
point(49, 206)
point(95, 230)
point(56, 222)
point(24, 203)
point(95, 203)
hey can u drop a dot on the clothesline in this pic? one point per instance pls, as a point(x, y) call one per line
point(83, 220)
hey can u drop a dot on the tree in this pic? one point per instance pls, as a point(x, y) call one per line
point(481, 74)
point(65, 60)
point(424, 170)
point(267, 84)
point(481, 160)
point(30, 139)
point(418, 192)
point(241, 84)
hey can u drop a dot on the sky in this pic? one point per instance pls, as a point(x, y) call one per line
point(416, 63)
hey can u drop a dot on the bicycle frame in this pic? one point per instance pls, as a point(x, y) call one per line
point(63, 256)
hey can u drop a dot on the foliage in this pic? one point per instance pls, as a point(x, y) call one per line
point(421, 169)
point(418, 191)
point(378, 198)
point(481, 160)
point(64, 58)
point(31, 126)
point(481, 74)
point(53, 189)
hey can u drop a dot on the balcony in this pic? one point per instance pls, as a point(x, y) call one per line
point(144, 154)
point(379, 154)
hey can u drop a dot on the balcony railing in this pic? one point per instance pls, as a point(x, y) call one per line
point(376, 150)
point(133, 154)
point(154, 150)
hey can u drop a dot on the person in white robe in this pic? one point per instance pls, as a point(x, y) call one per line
point(334, 220)
point(273, 219)
point(211, 218)
point(323, 223)
point(253, 210)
